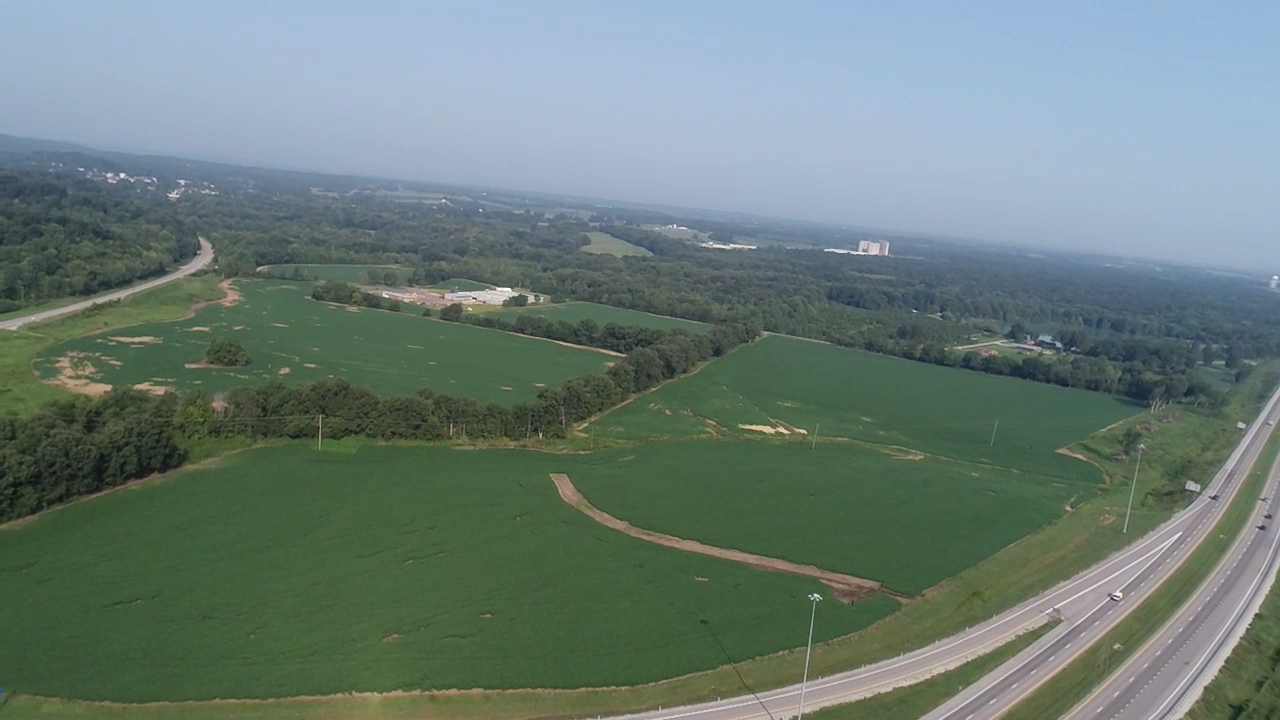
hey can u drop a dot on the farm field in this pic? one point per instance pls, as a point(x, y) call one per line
point(358, 274)
point(21, 391)
point(786, 387)
point(906, 521)
point(606, 244)
point(295, 339)
point(286, 571)
point(575, 311)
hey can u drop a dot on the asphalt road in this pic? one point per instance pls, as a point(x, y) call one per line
point(199, 262)
point(1165, 678)
point(1086, 618)
point(1081, 602)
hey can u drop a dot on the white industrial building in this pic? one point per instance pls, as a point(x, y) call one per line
point(1275, 282)
point(865, 247)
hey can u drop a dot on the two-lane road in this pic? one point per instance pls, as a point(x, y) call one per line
point(199, 262)
point(1081, 602)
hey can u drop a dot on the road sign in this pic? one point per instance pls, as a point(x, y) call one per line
point(1194, 486)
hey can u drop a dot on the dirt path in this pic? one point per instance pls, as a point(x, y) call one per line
point(847, 587)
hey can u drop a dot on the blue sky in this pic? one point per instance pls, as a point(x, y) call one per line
point(1136, 128)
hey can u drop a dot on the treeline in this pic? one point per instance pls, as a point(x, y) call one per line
point(80, 446)
point(337, 291)
point(77, 447)
point(63, 236)
point(611, 336)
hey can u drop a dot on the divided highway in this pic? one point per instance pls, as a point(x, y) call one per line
point(1090, 616)
point(199, 262)
point(1081, 603)
point(1165, 678)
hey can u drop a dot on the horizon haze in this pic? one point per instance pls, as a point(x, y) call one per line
point(1141, 131)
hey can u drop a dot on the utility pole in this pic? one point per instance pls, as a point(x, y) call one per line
point(993, 433)
point(815, 436)
point(1132, 489)
point(320, 432)
point(814, 598)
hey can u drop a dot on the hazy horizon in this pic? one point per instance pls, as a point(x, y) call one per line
point(1141, 131)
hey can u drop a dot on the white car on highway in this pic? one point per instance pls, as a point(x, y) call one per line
point(1116, 596)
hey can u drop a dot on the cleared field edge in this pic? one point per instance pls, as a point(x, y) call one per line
point(847, 588)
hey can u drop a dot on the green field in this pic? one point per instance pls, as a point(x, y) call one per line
point(287, 571)
point(21, 391)
point(908, 523)
point(575, 311)
point(358, 274)
point(795, 387)
point(606, 244)
point(293, 338)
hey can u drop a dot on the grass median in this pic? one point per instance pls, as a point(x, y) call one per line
point(1066, 689)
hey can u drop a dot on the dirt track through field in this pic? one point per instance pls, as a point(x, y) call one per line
point(847, 587)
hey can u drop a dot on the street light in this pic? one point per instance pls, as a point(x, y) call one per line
point(814, 598)
point(1132, 488)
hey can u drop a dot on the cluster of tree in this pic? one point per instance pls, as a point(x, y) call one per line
point(336, 291)
point(80, 446)
point(226, 351)
point(278, 410)
point(63, 236)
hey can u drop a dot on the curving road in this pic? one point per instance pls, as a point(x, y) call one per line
point(199, 262)
point(1080, 602)
point(1087, 618)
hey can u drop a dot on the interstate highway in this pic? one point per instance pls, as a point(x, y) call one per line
point(1081, 602)
point(1166, 676)
point(1092, 615)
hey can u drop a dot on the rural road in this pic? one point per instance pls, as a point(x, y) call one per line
point(1166, 677)
point(199, 262)
point(1081, 603)
point(1090, 616)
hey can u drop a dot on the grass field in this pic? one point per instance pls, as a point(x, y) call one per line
point(575, 311)
point(789, 387)
point(347, 273)
point(908, 523)
point(293, 338)
point(1011, 575)
point(21, 391)
point(287, 571)
point(606, 244)
point(1248, 686)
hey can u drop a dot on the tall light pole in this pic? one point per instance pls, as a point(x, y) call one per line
point(814, 598)
point(1133, 488)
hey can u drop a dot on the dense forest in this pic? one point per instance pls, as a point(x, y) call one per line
point(62, 236)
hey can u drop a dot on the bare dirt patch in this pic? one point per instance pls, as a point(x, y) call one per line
point(198, 365)
point(152, 388)
point(200, 328)
point(78, 375)
point(847, 587)
point(351, 309)
point(140, 340)
point(309, 365)
point(504, 387)
point(391, 638)
point(276, 324)
point(283, 371)
point(232, 295)
point(415, 347)
point(1072, 453)
point(766, 429)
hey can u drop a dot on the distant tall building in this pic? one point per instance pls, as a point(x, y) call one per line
point(1275, 282)
point(873, 247)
